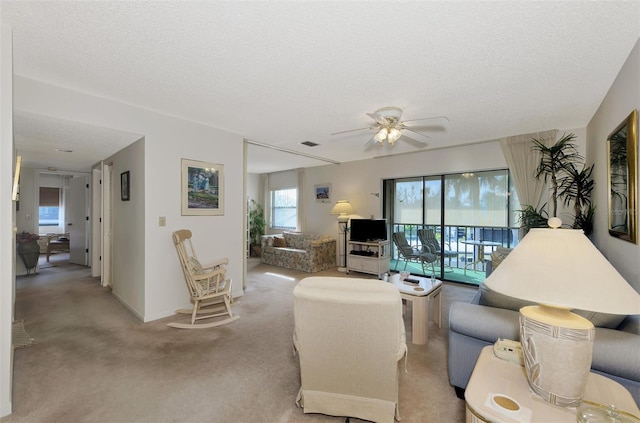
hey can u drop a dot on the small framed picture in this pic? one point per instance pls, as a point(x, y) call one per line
point(202, 188)
point(124, 186)
point(323, 193)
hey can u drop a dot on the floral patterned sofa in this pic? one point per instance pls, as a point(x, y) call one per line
point(298, 251)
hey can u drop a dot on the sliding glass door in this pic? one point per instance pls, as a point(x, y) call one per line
point(468, 215)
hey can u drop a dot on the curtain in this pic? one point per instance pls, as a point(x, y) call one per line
point(266, 200)
point(523, 162)
point(301, 197)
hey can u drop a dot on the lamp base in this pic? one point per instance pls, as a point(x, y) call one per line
point(557, 346)
point(342, 269)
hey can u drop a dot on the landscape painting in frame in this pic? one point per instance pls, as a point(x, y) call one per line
point(323, 193)
point(202, 188)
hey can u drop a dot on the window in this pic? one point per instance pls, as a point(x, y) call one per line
point(284, 208)
point(49, 207)
point(477, 199)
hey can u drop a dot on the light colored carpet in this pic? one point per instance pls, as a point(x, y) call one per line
point(94, 362)
point(20, 337)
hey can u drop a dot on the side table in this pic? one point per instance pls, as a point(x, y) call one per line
point(492, 375)
point(420, 296)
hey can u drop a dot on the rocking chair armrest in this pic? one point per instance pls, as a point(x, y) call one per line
point(216, 264)
point(208, 275)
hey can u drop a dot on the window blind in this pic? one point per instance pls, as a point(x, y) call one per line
point(49, 197)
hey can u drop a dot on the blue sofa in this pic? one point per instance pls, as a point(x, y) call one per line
point(489, 316)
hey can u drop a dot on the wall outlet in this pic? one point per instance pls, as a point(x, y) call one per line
point(162, 221)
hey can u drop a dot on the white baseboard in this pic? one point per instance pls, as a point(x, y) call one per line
point(128, 306)
point(5, 409)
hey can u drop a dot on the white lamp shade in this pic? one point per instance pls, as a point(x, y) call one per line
point(342, 207)
point(561, 267)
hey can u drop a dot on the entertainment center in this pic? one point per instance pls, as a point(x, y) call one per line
point(368, 247)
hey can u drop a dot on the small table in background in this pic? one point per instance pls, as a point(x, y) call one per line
point(420, 295)
point(56, 243)
point(480, 248)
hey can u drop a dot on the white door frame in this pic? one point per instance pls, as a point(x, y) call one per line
point(96, 221)
point(77, 222)
point(106, 225)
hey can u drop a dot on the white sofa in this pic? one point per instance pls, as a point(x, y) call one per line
point(350, 338)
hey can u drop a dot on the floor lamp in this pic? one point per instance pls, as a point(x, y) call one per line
point(343, 209)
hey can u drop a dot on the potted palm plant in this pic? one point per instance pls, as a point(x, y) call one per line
point(577, 186)
point(570, 180)
point(529, 218)
point(257, 226)
point(554, 161)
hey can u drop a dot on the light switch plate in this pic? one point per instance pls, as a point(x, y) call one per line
point(162, 221)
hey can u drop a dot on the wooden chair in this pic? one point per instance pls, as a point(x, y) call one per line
point(208, 287)
point(410, 254)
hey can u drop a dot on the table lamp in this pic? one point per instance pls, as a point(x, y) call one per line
point(343, 209)
point(561, 270)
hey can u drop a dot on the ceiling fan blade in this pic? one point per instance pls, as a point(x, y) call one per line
point(428, 118)
point(381, 120)
point(429, 128)
point(371, 143)
point(414, 142)
point(417, 133)
point(351, 130)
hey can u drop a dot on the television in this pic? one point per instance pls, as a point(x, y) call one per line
point(364, 230)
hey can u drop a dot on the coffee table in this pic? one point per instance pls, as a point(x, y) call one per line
point(420, 296)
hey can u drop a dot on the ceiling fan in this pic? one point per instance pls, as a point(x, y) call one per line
point(389, 127)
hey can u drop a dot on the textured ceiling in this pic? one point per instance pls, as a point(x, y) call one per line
point(285, 72)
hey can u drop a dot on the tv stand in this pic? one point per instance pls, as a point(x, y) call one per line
point(368, 257)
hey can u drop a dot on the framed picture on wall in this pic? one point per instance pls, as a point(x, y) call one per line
point(323, 193)
point(125, 186)
point(202, 188)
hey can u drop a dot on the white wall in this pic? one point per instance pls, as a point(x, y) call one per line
point(356, 181)
point(167, 140)
point(359, 181)
point(31, 179)
point(622, 98)
point(26, 220)
point(254, 190)
point(128, 219)
point(7, 220)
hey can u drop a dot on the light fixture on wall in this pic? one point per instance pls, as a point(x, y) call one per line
point(343, 209)
point(561, 270)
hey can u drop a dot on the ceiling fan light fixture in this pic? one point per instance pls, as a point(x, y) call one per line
point(381, 135)
point(393, 136)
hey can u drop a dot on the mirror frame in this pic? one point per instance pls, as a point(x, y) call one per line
point(618, 188)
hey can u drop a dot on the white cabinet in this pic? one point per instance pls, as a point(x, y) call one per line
point(368, 257)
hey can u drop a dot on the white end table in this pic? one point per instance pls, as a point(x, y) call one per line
point(421, 295)
point(492, 375)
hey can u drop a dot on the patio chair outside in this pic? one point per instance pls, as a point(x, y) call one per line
point(411, 254)
point(429, 241)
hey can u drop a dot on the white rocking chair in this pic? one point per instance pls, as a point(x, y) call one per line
point(208, 288)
